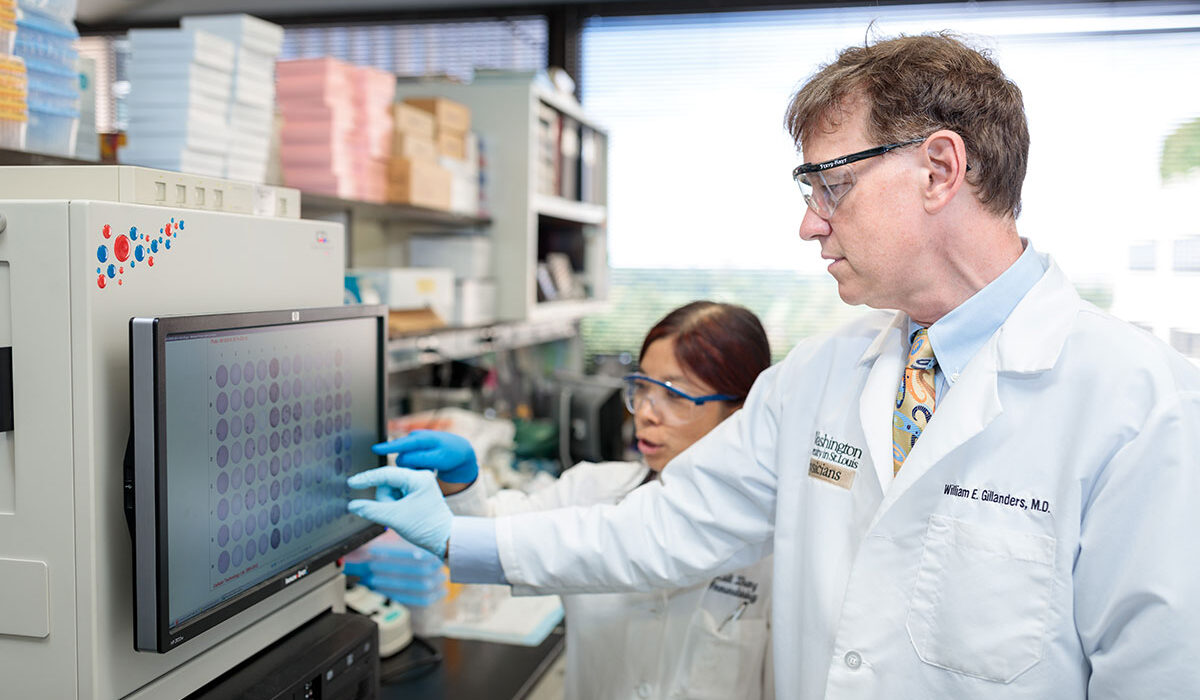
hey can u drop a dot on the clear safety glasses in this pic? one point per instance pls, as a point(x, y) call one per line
point(670, 403)
point(827, 183)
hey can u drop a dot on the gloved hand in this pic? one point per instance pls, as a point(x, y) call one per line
point(409, 502)
point(447, 454)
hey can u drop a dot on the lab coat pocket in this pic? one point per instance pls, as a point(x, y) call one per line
point(981, 599)
point(723, 661)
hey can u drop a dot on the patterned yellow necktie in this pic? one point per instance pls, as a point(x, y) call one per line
point(914, 400)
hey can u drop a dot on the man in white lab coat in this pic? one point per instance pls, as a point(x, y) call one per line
point(1012, 515)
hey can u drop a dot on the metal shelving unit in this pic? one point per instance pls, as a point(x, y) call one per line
point(11, 157)
point(319, 204)
point(418, 349)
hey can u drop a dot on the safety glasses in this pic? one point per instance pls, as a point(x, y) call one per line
point(671, 404)
point(827, 183)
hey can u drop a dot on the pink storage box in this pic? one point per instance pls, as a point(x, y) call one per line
point(341, 115)
point(312, 76)
point(372, 176)
point(335, 157)
point(325, 66)
point(316, 180)
point(296, 131)
point(375, 88)
point(292, 89)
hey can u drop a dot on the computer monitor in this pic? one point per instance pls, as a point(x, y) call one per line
point(592, 418)
point(244, 429)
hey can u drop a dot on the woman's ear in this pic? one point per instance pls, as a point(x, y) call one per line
point(946, 163)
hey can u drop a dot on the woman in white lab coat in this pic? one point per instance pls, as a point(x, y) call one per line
point(708, 640)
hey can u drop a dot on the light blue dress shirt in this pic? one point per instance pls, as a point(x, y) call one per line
point(956, 337)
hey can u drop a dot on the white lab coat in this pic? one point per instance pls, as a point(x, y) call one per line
point(1039, 542)
point(698, 642)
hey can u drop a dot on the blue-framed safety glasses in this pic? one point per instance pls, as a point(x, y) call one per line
point(668, 401)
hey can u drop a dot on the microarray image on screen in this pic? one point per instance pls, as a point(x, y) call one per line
point(263, 430)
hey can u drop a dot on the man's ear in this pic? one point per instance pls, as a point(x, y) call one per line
point(946, 162)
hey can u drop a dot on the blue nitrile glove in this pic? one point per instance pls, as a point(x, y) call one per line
point(409, 502)
point(447, 454)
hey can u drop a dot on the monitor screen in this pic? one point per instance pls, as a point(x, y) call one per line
point(245, 427)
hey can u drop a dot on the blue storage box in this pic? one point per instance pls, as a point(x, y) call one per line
point(61, 10)
point(43, 38)
point(51, 130)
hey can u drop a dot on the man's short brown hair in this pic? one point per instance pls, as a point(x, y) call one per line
point(916, 85)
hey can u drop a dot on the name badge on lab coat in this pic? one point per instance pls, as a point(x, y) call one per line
point(834, 461)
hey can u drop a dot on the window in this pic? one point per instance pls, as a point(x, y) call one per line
point(1187, 255)
point(1143, 256)
point(699, 160)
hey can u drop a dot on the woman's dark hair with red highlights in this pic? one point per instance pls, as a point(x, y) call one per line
point(723, 345)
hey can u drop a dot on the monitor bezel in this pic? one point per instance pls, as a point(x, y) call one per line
point(148, 487)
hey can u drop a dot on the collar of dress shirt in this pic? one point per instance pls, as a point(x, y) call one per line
point(958, 335)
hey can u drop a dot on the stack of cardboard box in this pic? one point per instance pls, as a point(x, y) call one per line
point(458, 151)
point(414, 174)
point(434, 156)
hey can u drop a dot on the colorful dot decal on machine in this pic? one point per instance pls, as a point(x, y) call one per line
point(118, 254)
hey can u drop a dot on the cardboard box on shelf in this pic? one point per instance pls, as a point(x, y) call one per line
point(449, 115)
point(418, 182)
point(413, 146)
point(401, 322)
point(451, 145)
point(412, 120)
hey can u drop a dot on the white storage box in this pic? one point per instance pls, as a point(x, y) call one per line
point(175, 46)
point(246, 171)
point(254, 66)
point(464, 195)
point(475, 303)
point(185, 161)
point(174, 109)
point(177, 81)
point(256, 92)
point(151, 144)
point(249, 32)
point(253, 119)
point(468, 255)
point(405, 288)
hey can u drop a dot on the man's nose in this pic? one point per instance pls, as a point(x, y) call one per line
point(813, 225)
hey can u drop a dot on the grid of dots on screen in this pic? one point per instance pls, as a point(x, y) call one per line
point(279, 453)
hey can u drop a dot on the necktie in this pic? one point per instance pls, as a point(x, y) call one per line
point(914, 399)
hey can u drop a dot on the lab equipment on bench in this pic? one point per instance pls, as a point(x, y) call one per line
point(393, 619)
point(83, 250)
point(406, 574)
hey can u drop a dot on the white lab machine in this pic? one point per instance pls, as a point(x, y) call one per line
point(83, 249)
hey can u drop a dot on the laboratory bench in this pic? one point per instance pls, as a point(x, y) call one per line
point(470, 670)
